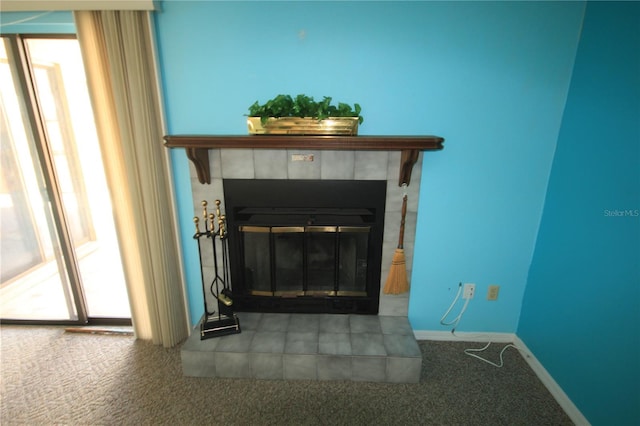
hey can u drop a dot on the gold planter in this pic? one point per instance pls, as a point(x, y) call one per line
point(303, 126)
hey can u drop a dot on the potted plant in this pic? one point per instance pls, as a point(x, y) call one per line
point(303, 115)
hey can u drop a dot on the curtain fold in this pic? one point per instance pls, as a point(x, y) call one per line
point(117, 49)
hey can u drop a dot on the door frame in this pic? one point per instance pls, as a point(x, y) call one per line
point(23, 70)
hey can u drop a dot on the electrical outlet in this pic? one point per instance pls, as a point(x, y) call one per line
point(492, 293)
point(468, 290)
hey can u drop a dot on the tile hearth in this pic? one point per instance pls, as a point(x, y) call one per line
point(272, 346)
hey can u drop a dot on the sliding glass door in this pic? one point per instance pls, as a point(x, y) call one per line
point(60, 259)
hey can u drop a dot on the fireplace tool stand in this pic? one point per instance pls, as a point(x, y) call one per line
point(222, 321)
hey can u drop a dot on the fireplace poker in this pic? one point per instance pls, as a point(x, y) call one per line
point(219, 280)
point(214, 287)
point(197, 236)
point(225, 258)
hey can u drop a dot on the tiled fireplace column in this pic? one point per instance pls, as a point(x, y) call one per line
point(351, 165)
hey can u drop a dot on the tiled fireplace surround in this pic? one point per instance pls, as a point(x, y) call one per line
point(314, 346)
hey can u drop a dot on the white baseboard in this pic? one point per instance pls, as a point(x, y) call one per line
point(554, 388)
point(462, 336)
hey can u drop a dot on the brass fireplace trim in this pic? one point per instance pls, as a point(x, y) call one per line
point(313, 293)
point(287, 229)
point(325, 229)
point(351, 293)
point(259, 229)
point(354, 229)
point(301, 229)
point(288, 293)
point(260, 293)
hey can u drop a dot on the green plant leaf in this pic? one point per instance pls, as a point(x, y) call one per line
point(303, 106)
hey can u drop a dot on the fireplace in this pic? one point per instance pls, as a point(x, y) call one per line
point(216, 158)
point(323, 346)
point(312, 246)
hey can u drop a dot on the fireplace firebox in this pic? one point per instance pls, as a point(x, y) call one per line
point(305, 246)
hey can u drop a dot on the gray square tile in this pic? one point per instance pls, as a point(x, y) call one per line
point(267, 366)
point(198, 364)
point(389, 245)
point(268, 341)
point(367, 344)
point(215, 163)
point(394, 304)
point(194, 343)
point(395, 325)
point(274, 322)
point(304, 322)
point(249, 321)
point(270, 163)
point(300, 367)
point(368, 369)
point(237, 163)
point(392, 225)
point(334, 323)
point(393, 166)
point(235, 342)
point(337, 165)
point(365, 324)
point(401, 345)
point(301, 343)
point(334, 368)
point(233, 364)
point(371, 165)
point(410, 231)
point(404, 370)
point(334, 344)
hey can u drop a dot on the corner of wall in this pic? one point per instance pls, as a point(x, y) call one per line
point(565, 96)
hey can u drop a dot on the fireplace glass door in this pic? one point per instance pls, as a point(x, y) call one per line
point(291, 261)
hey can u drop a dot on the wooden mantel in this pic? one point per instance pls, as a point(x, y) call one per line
point(197, 147)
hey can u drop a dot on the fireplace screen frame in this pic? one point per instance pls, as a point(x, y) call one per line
point(304, 209)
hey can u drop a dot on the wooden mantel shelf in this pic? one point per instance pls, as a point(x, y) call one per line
point(197, 147)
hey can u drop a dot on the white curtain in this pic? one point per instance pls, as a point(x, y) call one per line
point(117, 48)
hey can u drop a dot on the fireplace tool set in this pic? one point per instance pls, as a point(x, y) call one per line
point(222, 321)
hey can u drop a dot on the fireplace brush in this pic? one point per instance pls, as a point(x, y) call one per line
point(397, 280)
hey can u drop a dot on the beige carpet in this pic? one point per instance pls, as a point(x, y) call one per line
point(51, 377)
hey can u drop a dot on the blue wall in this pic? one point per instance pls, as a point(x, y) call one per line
point(581, 311)
point(491, 78)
